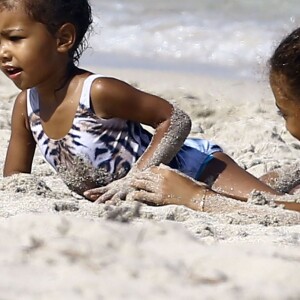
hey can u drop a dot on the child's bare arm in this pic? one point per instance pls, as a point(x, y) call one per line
point(167, 143)
point(21, 146)
point(284, 179)
point(163, 185)
point(114, 98)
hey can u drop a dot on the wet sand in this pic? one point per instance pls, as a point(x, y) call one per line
point(56, 245)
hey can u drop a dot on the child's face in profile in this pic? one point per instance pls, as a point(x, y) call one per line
point(287, 103)
point(27, 49)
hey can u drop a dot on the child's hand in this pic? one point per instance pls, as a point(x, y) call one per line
point(163, 185)
point(114, 191)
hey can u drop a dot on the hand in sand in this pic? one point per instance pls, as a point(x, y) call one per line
point(114, 191)
point(163, 185)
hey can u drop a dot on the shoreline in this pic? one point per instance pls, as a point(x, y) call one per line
point(181, 66)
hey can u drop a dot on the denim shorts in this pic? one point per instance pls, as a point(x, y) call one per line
point(194, 156)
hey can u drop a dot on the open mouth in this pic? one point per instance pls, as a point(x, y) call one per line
point(11, 71)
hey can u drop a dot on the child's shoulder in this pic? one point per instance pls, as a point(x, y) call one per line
point(21, 100)
point(98, 83)
point(108, 94)
point(106, 85)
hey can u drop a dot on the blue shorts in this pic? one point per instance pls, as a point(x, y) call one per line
point(193, 156)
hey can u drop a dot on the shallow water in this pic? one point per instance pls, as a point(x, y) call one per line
point(230, 37)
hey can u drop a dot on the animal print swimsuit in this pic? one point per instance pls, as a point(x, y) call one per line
point(96, 151)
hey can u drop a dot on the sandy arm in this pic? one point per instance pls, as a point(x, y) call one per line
point(284, 179)
point(164, 186)
point(167, 140)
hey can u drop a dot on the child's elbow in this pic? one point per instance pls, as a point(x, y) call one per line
point(182, 118)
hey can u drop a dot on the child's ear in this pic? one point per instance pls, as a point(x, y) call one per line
point(65, 36)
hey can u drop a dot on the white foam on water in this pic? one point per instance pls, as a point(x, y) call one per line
point(234, 35)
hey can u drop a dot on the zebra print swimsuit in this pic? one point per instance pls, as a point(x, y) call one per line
point(97, 151)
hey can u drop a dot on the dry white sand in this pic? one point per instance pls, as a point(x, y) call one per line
point(55, 245)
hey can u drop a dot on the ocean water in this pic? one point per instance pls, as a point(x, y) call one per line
point(224, 37)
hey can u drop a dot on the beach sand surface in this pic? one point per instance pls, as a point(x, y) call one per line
point(56, 245)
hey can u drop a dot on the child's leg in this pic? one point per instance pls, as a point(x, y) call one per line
point(226, 177)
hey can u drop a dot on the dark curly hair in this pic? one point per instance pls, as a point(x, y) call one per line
point(54, 13)
point(286, 60)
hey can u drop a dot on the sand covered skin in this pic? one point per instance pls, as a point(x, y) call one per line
point(56, 245)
